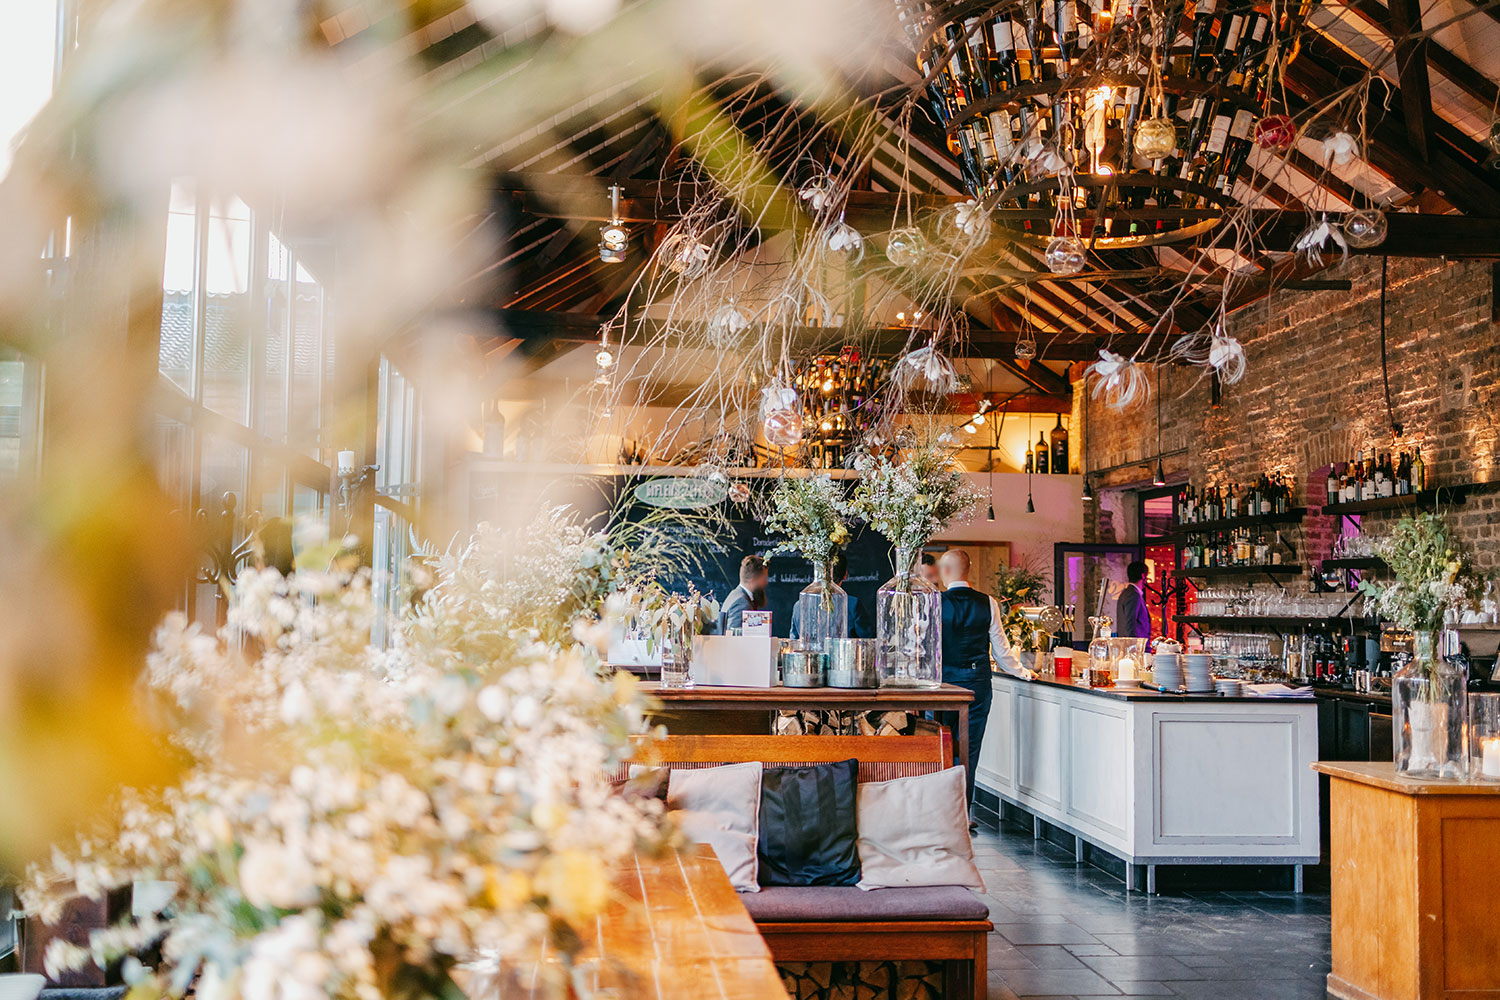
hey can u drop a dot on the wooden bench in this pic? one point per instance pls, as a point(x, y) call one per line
point(853, 933)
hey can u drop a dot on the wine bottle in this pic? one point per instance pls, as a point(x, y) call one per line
point(1418, 472)
point(1201, 59)
point(1041, 454)
point(975, 58)
point(1060, 464)
point(1003, 45)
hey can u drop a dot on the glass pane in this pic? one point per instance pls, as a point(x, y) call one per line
point(174, 461)
point(397, 434)
point(20, 415)
point(225, 467)
point(273, 379)
point(226, 317)
point(310, 359)
point(1158, 516)
point(270, 489)
point(176, 357)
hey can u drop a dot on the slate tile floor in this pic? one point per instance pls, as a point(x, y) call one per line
point(1065, 930)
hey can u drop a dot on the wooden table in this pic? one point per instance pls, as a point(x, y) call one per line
point(946, 698)
point(675, 930)
point(1414, 865)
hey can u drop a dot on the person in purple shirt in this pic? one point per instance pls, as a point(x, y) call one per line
point(1132, 617)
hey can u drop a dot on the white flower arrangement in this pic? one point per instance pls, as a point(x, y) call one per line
point(357, 821)
point(1433, 578)
point(910, 500)
point(810, 511)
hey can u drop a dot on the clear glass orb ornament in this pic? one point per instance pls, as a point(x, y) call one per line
point(726, 323)
point(1341, 148)
point(843, 240)
point(1156, 138)
point(906, 247)
point(1066, 255)
point(1365, 228)
point(604, 358)
point(1025, 348)
point(782, 428)
point(1493, 138)
point(1276, 133)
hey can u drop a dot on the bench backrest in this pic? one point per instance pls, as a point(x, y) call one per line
point(880, 757)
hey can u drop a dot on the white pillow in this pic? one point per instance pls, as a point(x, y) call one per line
point(720, 807)
point(915, 831)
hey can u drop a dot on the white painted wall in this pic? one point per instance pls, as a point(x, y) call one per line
point(1058, 517)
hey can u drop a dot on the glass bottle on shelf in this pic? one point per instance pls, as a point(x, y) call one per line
point(908, 627)
point(822, 612)
point(1041, 460)
point(1060, 448)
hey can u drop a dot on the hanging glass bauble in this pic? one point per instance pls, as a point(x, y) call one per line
point(1155, 138)
point(906, 247)
point(1493, 137)
point(1275, 132)
point(1365, 228)
point(970, 220)
point(844, 240)
point(1341, 148)
point(726, 324)
point(1066, 255)
point(1025, 349)
point(779, 420)
point(817, 193)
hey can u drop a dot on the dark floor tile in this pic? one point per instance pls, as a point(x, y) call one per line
point(1144, 988)
point(1050, 956)
point(1090, 949)
point(1049, 982)
point(1044, 932)
point(1252, 989)
point(1163, 967)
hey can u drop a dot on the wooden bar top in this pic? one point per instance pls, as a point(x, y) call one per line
point(781, 695)
point(674, 929)
point(1384, 775)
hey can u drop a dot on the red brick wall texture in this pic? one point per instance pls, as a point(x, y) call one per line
point(1313, 394)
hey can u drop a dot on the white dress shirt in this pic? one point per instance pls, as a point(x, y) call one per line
point(1000, 647)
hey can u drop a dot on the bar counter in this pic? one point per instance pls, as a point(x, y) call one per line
point(1155, 778)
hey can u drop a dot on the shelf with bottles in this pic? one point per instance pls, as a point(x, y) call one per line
point(1454, 494)
point(1048, 458)
point(1279, 623)
point(1293, 515)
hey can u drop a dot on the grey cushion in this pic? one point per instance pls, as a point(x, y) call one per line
point(783, 904)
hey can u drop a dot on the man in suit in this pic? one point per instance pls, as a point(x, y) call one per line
point(861, 621)
point(972, 631)
point(928, 569)
point(1132, 617)
point(749, 595)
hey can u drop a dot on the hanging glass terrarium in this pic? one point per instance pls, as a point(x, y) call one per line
point(908, 627)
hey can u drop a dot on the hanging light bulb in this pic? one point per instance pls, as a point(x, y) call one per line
point(613, 240)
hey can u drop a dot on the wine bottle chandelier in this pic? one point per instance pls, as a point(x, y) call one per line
point(840, 395)
point(1106, 123)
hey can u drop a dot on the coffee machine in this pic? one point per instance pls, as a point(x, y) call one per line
point(1480, 646)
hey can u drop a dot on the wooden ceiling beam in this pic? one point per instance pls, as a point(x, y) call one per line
point(1411, 68)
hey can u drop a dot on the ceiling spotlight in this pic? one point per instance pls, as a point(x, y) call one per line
point(613, 240)
point(1160, 479)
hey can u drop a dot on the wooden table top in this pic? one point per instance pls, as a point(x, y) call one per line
point(1383, 774)
point(675, 929)
point(946, 694)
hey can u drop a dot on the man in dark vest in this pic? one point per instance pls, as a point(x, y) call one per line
point(972, 630)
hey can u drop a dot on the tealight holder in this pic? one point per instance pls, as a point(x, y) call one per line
point(1484, 736)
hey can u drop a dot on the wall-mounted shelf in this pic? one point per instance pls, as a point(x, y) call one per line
point(1293, 516)
point(1281, 623)
point(1210, 572)
point(1364, 563)
point(1457, 493)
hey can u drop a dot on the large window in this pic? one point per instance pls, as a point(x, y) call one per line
point(398, 452)
point(244, 360)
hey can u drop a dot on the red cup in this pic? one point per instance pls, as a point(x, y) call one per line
point(1062, 663)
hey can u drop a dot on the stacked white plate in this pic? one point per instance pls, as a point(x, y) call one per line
point(1166, 671)
point(1229, 687)
point(1198, 670)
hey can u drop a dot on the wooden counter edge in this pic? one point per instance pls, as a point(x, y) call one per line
point(1384, 775)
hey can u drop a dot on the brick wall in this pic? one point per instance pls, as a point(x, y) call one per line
point(1312, 394)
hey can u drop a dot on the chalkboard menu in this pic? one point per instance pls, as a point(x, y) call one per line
point(718, 559)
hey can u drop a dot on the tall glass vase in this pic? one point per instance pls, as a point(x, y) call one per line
point(1429, 699)
point(677, 655)
point(908, 627)
point(822, 612)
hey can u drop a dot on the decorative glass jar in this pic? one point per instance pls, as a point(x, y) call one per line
point(909, 627)
point(1098, 673)
point(1484, 735)
point(1429, 700)
point(822, 612)
point(677, 653)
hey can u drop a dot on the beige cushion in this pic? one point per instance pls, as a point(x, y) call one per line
point(915, 832)
point(720, 807)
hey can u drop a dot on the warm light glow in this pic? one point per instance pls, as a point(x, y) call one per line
point(1103, 170)
point(826, 425)
point(828, 385)
point(978, 420)
point(604, 358)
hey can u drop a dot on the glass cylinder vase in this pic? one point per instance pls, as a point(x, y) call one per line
point(1484, 735)
point(822, 612)
point(677, 655)
point(908, 627)
point(1429, 701)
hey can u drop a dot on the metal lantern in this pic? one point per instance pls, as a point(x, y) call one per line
point(1275, 133)
point(1365, 228)
point(1156, 138)
point(1066, 255)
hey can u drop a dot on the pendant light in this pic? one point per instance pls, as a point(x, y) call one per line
point(1088, 494)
